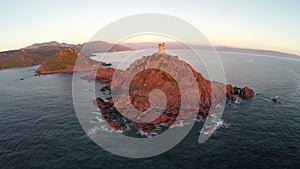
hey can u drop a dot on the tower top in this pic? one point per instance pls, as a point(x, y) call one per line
point(161, 48)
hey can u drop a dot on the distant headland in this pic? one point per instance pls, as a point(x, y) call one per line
point(38, 53)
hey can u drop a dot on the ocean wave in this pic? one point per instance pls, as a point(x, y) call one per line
point(93, 131)
point(106, 128)
point(214, 126)
point(102, 128)
point(96, 112)
point(179, 123)
point(238, 100)
point(142, 133)
point(98, 120)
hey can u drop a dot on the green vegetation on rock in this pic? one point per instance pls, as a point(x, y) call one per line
point(65, 61)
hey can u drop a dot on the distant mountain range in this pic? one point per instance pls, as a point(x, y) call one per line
point(177, 45)
point(52, 43)
point(90, 47)
point(37, 53)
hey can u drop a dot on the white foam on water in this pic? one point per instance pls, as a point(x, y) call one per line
point(93, 131)
point(238, 100)
point(95, 112)
point(180, 123)
point(105, 128)
point(214, 126)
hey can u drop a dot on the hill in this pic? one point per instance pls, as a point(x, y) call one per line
point(8, 53)
point(26, 57)
point(52, 43)
point(22, 58)
point(100, 46)
point(65, 60)
point(89, 47)
point(37, 53)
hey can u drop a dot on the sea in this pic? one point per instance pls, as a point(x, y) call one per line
point(39, 127)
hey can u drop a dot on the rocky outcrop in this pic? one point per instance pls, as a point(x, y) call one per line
point(103, 73)
point(176, 84)
point(67, 60)
point(230, 89)
point(246, 93)
point(276, 99)
point(230, 92)
point(233, 92)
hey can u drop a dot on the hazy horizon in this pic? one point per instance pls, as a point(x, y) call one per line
point(253, 25)
point(144, 45)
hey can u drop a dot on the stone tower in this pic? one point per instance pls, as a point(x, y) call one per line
point(161, 48)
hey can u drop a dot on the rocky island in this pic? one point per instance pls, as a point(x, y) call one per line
point(168, 74)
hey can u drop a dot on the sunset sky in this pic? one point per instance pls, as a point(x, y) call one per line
point(259, 24)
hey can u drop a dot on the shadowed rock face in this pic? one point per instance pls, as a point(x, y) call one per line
point(155, 89)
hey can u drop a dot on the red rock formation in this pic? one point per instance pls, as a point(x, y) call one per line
point(170, 73)
point(230, 89)
point(246, 93)
point(230, 93)
point(101, 73)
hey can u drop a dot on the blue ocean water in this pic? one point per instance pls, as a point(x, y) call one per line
point(39, 127)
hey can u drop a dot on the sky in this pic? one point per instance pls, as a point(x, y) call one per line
point(256, 24)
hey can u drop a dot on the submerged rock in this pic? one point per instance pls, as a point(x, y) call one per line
point(276, 100)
